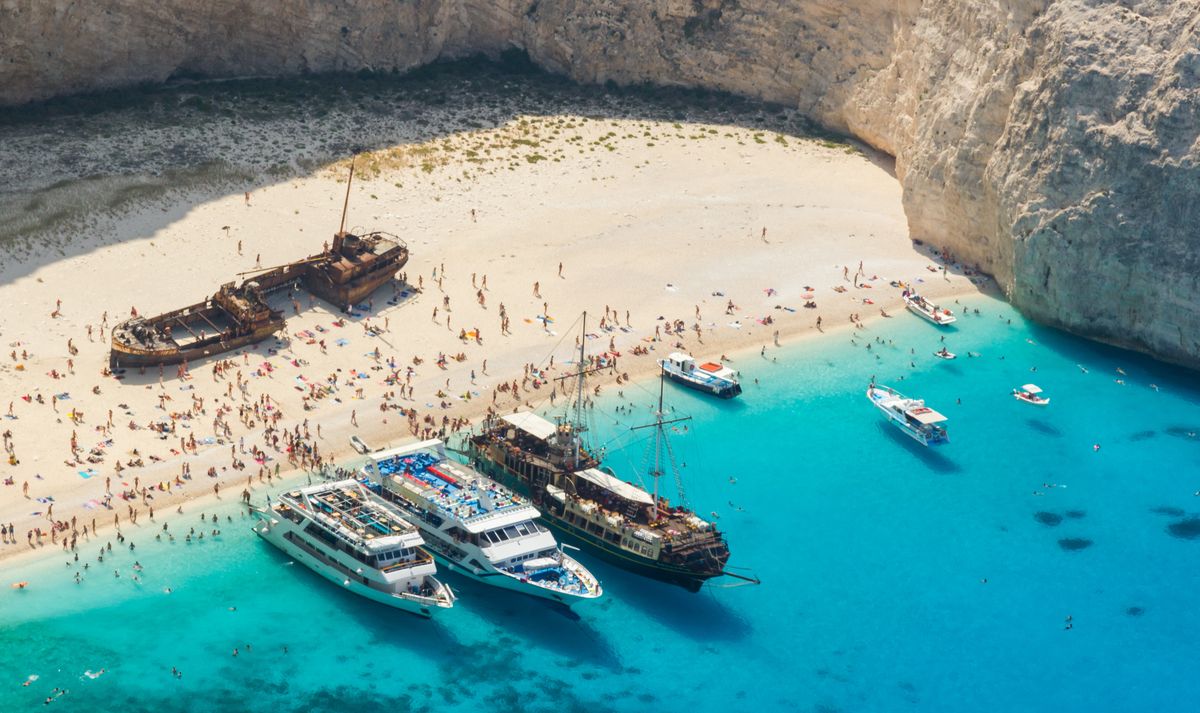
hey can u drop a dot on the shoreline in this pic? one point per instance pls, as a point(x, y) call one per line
point(379, 438)
point(641, 221)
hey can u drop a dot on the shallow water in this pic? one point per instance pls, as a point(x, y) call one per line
point(895, 577)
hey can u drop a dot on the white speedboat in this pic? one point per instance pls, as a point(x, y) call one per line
point(1031, 394)
point(927, 310)
point(348, 535)
point(710, 377)
point(476, 526)
point(945, 353)
point(909, 415)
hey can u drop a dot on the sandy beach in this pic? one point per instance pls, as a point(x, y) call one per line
point(642, 223)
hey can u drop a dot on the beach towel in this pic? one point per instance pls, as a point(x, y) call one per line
point(342, 342)
point(84, 474)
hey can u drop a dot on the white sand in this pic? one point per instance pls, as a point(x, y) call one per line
point(652, 229)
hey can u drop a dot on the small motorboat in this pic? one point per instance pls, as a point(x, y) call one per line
point(1031, 394)
point(945, 353)
point(927, 310)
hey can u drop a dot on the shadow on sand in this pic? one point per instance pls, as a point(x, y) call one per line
point(289, 127)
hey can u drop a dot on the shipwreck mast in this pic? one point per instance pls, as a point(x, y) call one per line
point(340, 237)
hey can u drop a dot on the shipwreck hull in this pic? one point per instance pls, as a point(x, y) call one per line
point(125, 356)
point(345, 296)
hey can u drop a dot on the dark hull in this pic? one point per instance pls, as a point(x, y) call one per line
point(726, 393)
point(625, 560)
point(588, 542)
point(125, 358)
point(345, 296)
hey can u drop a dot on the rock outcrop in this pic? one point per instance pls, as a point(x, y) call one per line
point(1053, 142)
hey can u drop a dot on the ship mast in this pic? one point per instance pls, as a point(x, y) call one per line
point(577, 426)
point(346, 202)
point(660, 440)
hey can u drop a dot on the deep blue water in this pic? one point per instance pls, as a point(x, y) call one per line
point(895, 578)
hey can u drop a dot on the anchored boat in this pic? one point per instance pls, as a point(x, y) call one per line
point(927, 310)
point(476, 526)
point(586, 503)
point(912, 416)
point(1031, 394)
point(348, 535)
point(710, 377)
point(343, 274)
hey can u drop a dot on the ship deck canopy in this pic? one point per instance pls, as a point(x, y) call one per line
point(616, 486)
point(1032, 388)
point(532, 424)
point(925, 415)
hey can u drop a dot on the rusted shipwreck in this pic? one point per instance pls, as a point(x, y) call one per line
point(344, 274)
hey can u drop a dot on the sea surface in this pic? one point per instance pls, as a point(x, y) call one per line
point(1018, 568)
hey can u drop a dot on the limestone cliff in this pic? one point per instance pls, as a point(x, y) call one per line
point(1054, 142)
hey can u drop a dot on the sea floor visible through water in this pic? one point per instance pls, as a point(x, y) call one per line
point(1018, 568)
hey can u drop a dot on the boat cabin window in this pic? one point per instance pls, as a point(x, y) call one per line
point(393, 555)
point(521, 529)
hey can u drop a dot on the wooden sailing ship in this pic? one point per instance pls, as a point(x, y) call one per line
point(344, 274)
point(590, 506)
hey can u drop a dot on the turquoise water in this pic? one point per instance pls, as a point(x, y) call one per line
point(895, 578)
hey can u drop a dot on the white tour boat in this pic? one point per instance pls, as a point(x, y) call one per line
point(476, 526)
point(909, 415)
point(710, 377)
point(927, 310)
point(348, 535)
point(1031, 394)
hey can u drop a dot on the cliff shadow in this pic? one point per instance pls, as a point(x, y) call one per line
point(73, 167)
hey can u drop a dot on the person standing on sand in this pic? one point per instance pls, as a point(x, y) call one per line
point(247, 198)
point(560, 269)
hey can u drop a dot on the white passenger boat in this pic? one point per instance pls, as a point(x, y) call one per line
point(909, 415)
point(350, 536)
point(710, 377)
point(476, 526)
point(927, 310)
point(1031, 394)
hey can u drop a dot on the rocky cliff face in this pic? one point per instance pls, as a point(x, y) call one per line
point(1054, 142)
